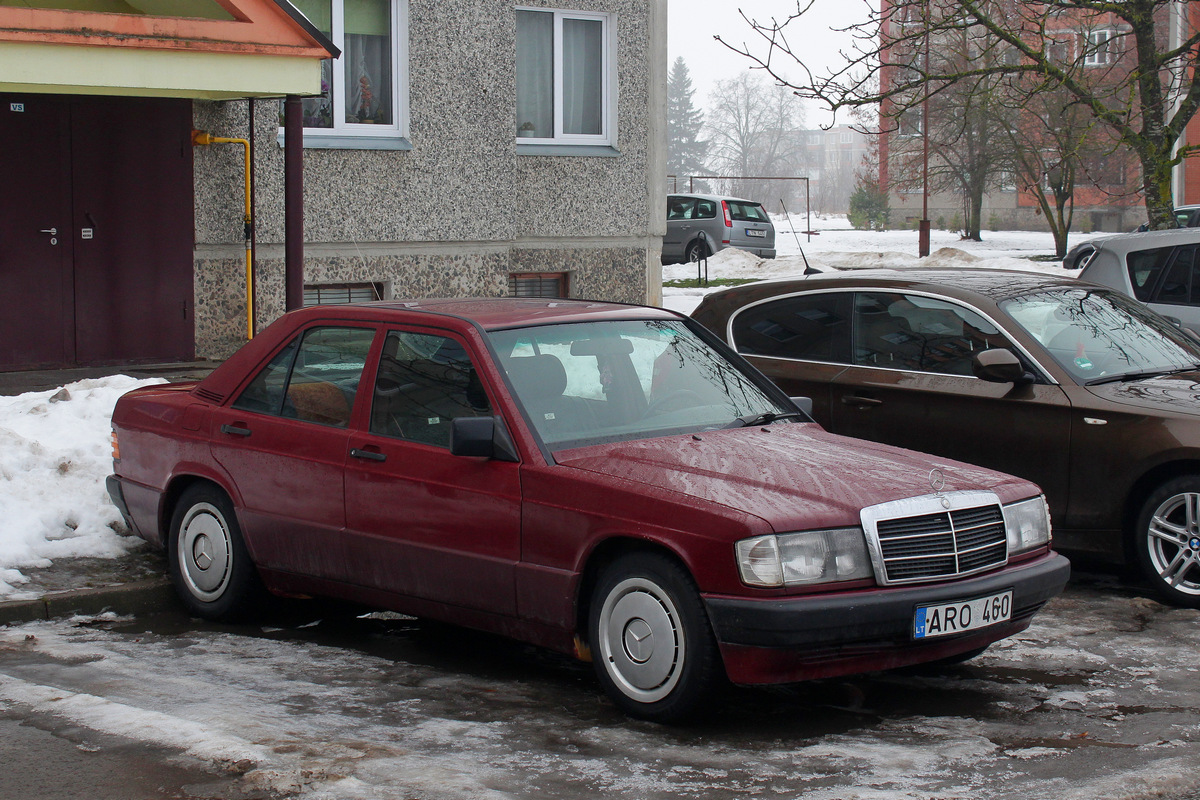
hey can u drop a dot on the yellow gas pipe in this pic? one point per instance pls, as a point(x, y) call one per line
point(202, 138)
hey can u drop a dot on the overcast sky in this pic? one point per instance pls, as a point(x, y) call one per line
point(693, 23)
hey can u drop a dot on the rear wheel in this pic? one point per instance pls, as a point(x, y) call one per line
point(209, 564)
point(652, 646)
point(1167, 540)
point(697, 250)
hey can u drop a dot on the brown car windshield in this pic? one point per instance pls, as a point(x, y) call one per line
point(587, 383)
point(1100, 336)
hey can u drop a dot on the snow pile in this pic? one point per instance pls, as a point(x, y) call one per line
point(55, 453)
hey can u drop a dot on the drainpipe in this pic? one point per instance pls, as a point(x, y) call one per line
point(202, 139)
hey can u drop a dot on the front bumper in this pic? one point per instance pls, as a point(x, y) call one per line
point(800, 638)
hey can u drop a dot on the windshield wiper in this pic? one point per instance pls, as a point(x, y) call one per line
point(766, 417)
point(1139, 375)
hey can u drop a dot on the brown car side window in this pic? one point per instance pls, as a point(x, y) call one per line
point(424, 381)
point(923, 334)
point(811, 327)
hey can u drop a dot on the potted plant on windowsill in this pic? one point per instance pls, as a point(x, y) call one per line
point(526, 130)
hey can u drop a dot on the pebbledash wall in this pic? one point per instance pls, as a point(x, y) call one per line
point(461, 210)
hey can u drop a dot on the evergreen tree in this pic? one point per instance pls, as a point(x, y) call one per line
point(685, 152)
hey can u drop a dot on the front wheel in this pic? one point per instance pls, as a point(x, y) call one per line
point(652, 646)
point(209, 564)
point(1167, 540)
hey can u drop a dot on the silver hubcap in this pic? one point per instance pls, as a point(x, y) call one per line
point(205, 552)
point(1174, 542)
point(641, 640)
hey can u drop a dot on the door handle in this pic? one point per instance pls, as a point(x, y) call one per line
point(369, 455)
point(236, 431)
point(51, 231)
point(861, 402)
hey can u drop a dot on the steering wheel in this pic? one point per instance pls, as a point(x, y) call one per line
point(683, 397)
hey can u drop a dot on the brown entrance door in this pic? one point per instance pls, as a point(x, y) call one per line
point(117, 173)
point(36, 317)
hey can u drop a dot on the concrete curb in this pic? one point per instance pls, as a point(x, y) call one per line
point(136, 597)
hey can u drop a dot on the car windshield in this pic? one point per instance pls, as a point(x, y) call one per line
point(587, 383)
point(1099, 335)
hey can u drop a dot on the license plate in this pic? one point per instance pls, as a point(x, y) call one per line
point(968, 615)
point(753, 232)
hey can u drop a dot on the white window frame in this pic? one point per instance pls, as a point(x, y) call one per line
point(364, 136)
point(608, 105)
point(1098, 53)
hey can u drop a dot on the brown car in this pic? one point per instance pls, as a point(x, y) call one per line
point(1071, 385)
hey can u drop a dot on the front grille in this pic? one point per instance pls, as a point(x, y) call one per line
point(911, 546)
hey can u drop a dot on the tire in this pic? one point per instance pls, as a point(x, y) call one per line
point(696, 251)
point(652, 646)
point(1167, 541)
point(210, 567)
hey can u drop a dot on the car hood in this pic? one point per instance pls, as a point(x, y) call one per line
point(794, 476)
point(1173, 394)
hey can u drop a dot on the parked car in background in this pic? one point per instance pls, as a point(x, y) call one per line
point(699, 225)
point(1185, 217)
point(608, 481)
point(1074, 386)
point(1159, 268)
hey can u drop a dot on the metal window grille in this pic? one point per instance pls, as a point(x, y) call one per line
point(322, 294)
point(537, 284)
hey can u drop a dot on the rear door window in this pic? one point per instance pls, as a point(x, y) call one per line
point(1145, 268)
point(1179, 284)
point(681, 207)
point(811, 327)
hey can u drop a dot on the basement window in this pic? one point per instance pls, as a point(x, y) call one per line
point(323, 294)
point(537, 284)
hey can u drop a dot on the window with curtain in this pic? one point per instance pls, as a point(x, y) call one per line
point(364, 92)
point(563, 82)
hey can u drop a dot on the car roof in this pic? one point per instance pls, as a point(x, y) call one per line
point(1123, 243)
point(717, 197)
point(997, 284)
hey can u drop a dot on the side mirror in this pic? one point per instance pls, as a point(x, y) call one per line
point(481, 437)
point(1000, 366)
point(805, 404)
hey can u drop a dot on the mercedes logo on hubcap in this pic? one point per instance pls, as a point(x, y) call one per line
point(202, 552)
point(639, 640)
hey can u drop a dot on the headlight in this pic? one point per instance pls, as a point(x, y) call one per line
point(1027, 525)
point(802, 559)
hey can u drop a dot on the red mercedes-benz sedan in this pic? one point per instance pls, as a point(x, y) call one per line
point(605, 480)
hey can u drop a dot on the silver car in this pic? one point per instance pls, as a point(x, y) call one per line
point(1159, 268)
point(699, 225)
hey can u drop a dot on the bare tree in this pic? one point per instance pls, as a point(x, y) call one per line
point(755, 130)
point(1131, 63)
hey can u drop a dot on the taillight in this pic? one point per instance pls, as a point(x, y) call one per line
point(116, 448)
point(728, 218)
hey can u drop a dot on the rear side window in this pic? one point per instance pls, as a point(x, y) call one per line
point(810, 327)
point(1145, 267)
point(705, 209)
point(747, 212)
point(314, 379)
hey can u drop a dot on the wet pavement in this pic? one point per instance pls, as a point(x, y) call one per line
point(1100, 698)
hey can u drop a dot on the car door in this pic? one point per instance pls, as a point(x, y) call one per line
point(283, 443)
point(420, 521)
point(910, 383)
point(1177, 293)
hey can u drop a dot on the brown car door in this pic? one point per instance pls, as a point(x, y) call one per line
point(910, 384)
